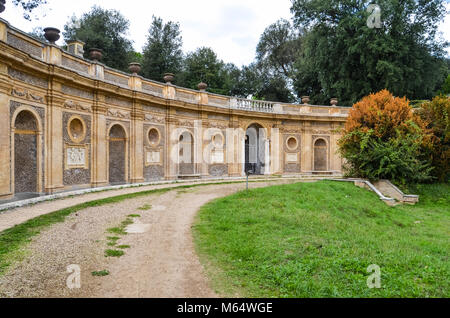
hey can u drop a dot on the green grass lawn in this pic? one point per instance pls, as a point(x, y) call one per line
point(318, 239)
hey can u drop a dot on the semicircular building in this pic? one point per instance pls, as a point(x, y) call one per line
point(70, 123)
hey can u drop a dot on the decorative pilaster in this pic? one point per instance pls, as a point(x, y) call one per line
point(54, 139)
point(137, 144)
point(3, 31)
point(5, 154)
point(99, 157)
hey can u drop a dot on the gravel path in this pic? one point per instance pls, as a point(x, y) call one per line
point(159, 263)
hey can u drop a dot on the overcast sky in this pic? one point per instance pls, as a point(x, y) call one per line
point(230, 27)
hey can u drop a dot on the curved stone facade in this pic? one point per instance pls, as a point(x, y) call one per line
point(57, 88)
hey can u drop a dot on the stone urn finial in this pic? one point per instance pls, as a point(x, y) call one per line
point(95, 54)
point(52, 35)
point(305, 100)
point(202, 87)
point(168, 78)
point(134, 68)
point(2, 5)
point(334, 102)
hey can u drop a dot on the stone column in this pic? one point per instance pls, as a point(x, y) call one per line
point(54, 144)
point(137, 144)
point(276, 150)
point(335, 158)
point(137, 129)
point(171, 142)
point(99, 166)
point(201, 129)
point(307, 148)
point(3, 31)
point(5, 140)
point(234, 143)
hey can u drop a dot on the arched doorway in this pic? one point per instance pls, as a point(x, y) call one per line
point(186, 159)
point(117, 155)
point(320, 155)
point(26, 147)
point(255, 149)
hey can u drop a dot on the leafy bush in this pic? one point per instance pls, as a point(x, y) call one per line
point(436, 115)
point(396, 159)
point(383, 139)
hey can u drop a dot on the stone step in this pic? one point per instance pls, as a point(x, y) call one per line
point(390, 190)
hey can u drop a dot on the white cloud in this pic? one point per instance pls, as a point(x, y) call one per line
point(230, 27)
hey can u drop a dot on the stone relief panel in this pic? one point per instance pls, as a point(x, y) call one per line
point(28, 95)
point(155, 119)
point(119, 113)
point(75, 105)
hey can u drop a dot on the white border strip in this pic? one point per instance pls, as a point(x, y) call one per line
point(18, 204)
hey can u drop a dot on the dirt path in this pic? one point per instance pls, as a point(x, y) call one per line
point(159, 263)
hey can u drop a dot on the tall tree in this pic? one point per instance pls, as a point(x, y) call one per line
point(203, 65)
point(261, 84)
point(343, 57)
point(162, 53)
point(278, 48)
point(106, 30)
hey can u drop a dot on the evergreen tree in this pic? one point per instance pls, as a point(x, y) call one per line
point(106, 30)
point(162, 53)
point(343, 57)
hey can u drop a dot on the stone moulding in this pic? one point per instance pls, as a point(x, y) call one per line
point(119, 113)
point(155, 119)
point(70, 104)
point(27, 95)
